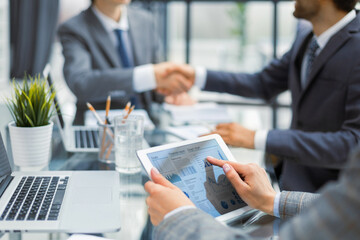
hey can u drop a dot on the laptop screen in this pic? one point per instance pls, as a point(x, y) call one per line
point(5, 168)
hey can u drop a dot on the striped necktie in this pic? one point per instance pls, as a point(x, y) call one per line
point(313, 47)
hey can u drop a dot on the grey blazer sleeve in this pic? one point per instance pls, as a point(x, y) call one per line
point(334, 215)
point(194, 224)
point(293, 203)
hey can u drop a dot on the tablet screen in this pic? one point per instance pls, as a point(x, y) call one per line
point(205, 184)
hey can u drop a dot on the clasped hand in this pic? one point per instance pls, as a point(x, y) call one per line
point(173, 79)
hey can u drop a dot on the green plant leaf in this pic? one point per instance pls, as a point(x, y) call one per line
point(31, 102)
point(30, 121)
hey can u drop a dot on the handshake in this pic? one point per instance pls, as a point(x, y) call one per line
point(173, 79)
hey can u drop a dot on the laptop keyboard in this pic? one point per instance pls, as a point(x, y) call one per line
point(36, 198)
point(86, 138)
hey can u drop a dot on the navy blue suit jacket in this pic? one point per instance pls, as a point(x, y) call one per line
point(326, 113)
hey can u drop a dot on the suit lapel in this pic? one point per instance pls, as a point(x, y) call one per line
point(299, 50)
point(331, 48)
point(102, 39)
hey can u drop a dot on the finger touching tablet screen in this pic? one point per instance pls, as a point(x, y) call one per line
point(184, 164)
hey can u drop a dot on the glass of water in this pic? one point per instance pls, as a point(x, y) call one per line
point(129, 134)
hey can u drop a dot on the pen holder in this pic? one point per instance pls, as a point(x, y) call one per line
point(106, 143)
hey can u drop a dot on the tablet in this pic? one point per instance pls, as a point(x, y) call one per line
point(185, 165)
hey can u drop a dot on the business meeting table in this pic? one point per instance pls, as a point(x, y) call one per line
point(135, 220)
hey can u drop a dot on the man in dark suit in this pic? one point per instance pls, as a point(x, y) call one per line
point(109, 49)
point(322, 71)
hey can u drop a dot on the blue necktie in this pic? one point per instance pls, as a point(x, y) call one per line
point(125, 55)
point(123, 48)
point(313, 47)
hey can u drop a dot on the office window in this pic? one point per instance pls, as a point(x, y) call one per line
point(287, 27)
point(176, 31)
point(233, 36)
point(230, 36)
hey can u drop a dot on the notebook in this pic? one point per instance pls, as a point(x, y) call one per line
point(58, 201)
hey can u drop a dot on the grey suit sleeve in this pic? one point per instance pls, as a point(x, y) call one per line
point(293, 203)
point(193, 224)
point(335, 214)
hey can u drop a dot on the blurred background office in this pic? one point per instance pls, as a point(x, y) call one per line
point(220, 35)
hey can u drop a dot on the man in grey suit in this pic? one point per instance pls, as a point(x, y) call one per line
point(322, 71)
point(332, 214)
point(109, 49)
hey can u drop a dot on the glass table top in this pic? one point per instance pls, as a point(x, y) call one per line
point(135, 220)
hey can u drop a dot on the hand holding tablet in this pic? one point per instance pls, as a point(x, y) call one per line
point(184, 164)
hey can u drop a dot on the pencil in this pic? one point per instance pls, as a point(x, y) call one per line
point(108, 103)
point(127, 107)
point(103, 148)
point(109, 152)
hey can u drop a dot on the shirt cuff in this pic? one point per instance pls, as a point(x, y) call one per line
point(260, 139)
point(177, 210)
point(276, 205)
point(144, 78)
point(200, 77)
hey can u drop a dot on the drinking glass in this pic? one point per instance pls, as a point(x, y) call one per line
point(129, 134)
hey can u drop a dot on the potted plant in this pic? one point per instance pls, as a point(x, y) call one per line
point(31, 131)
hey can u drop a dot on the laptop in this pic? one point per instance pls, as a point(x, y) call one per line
point(75, 138)
point(184, 164)
point(58, 201)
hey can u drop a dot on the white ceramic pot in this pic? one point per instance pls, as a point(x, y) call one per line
point(31, 145)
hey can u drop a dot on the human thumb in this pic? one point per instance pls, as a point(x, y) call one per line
point(156, 177)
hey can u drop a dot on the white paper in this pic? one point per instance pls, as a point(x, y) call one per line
point(189, 131)
point(198, 113)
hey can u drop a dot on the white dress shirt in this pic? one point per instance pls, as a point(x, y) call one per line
point(140, 72)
